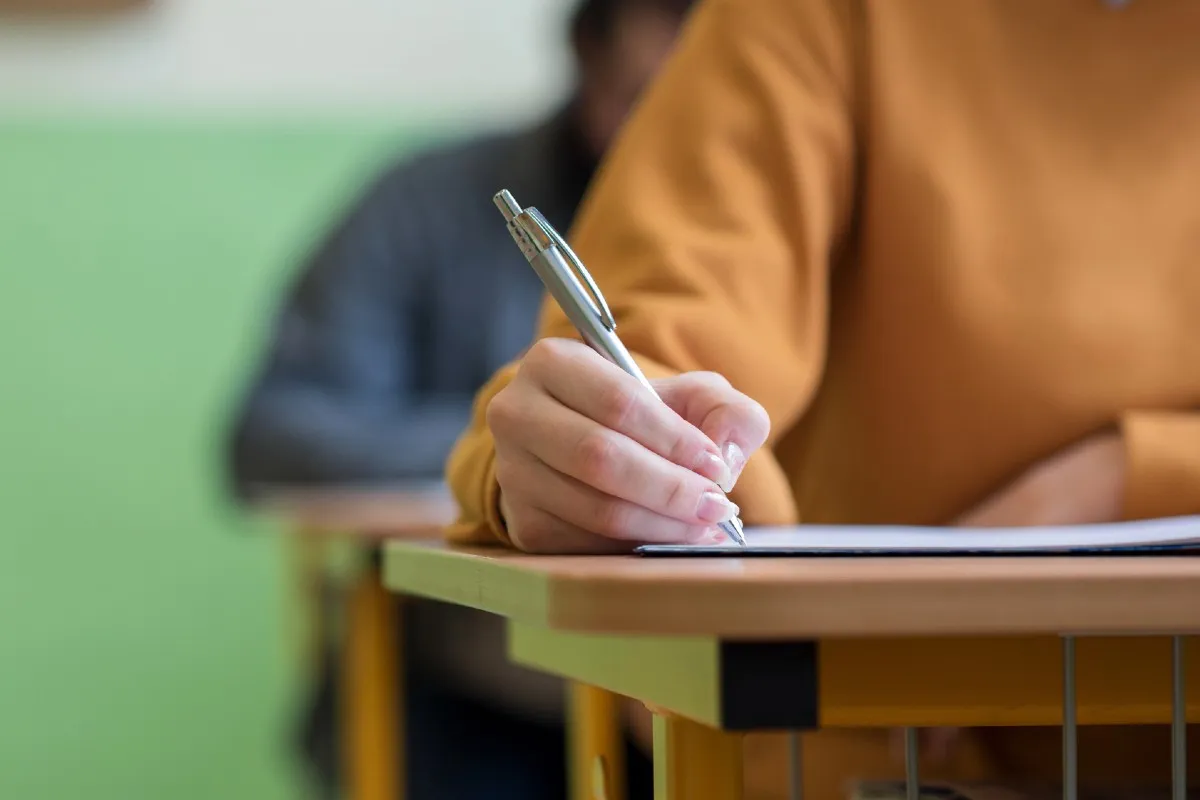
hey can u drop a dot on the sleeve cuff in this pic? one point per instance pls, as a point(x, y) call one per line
point(1162, 464)
point(491, 504)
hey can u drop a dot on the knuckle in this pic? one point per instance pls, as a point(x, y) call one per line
point(594, 457)
point(501, 412)
point(549, 351)
point(713, 379)
point(505, 475)
point(533, 535)
point(682, 499)
point(742, 421)
point(537, 358)
point(617, 405)
point(611, 519)
point(549, 359)
point(687, 446)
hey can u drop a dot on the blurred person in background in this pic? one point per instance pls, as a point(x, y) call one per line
point(413, 300)
point(931, 263)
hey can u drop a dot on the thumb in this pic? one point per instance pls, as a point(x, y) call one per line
point(737, 425)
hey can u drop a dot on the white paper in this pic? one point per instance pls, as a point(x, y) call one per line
point(1177, 531)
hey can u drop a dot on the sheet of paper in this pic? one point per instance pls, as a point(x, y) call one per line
point(1171, 532)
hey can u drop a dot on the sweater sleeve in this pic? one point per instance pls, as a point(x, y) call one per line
point(712, 226)
point(1162, 463)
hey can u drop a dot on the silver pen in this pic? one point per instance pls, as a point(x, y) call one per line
point(577, 295)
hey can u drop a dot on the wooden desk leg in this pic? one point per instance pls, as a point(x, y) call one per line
point(695, 762)
point(597, 747)
point(372, 732)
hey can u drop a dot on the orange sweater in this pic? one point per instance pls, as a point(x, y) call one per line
point(937, 240)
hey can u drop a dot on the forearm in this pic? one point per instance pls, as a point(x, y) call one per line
point(311, 438)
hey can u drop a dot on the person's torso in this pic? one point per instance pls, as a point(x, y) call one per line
point(1026, 259)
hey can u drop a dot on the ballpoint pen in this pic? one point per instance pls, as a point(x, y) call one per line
point(565, 278)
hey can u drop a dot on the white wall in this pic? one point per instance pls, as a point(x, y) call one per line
point(450, 58)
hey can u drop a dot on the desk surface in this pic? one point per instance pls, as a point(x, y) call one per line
point(809, 597)
point(384, 512)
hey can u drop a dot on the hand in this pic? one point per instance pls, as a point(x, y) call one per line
point(1082, 484)
point(588, 461)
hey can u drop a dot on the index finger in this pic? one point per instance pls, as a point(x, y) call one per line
point(719, 410)
point(583, 380)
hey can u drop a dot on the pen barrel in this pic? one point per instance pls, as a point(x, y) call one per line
point(608, 345)
point(573, 299)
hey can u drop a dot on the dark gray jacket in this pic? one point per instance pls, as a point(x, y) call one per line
point(410, 304)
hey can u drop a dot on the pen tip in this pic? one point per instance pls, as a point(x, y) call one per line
point(734, 530)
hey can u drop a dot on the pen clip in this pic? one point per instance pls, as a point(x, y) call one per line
point(599, 305)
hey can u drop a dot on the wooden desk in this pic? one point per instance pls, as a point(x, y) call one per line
point(720, 646)
point(385, 513)
point(373, 734)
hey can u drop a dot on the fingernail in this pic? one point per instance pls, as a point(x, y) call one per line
point(716, 508)
point(716, 536)
point(715, 469)
point(735, 461)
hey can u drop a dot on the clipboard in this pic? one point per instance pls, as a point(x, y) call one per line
point(1173, 535)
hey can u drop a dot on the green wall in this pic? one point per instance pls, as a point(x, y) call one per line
point(142, 651)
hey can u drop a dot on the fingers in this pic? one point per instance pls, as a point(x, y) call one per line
point(736, 423)
point(583, 507)
point(601, 458)
point(535, 531)
point(581, 379)
point(589, 460)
